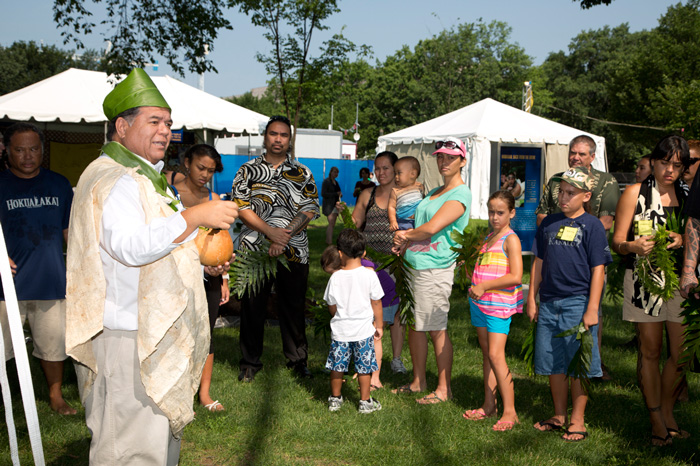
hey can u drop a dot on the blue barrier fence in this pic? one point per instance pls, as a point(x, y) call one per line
point(349, 173)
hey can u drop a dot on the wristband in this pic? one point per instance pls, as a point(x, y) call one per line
point(224, 276)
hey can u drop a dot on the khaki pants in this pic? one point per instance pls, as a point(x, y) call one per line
point(126, 425)
point(47, 321)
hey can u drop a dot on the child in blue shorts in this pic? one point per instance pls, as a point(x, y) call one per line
point(354, 298)
point(571, 252)
point(495, 295)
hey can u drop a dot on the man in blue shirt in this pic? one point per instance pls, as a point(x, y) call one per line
point(34, 210)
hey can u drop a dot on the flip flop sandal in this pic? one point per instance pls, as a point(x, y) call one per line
point(506, 426)
point(405, 389)
point(678, 433)
point(430, 399)
point(215, 406)
point(551, 427)
point(476, 415)
point(583, 435)
point(661, 439)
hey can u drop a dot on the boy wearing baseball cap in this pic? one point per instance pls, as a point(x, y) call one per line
point(571, 252)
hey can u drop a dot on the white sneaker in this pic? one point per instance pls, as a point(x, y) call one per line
point(397, 366)
point(334, 403)
point(369, 406)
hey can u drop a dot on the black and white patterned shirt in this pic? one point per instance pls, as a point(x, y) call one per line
point(276, 195)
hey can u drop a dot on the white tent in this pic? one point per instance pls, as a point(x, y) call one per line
point(75, 96)
point(483, 125)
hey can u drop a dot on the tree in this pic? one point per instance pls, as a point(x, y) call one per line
point(140, 29)
point(660, 83)
point(579, 89)
point(290, 61)
point(457, 67)
point(586, 4)
point(25, 63)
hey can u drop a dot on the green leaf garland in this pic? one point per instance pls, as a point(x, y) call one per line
point(657, 271)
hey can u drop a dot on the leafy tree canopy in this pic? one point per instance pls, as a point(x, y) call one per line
point(586, 4)
point(24, 63)
point(141, 29)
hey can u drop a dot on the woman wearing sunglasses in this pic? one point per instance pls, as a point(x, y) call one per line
point(427, 247)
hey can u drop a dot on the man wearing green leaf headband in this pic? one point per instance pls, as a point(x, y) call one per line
point(137, 321)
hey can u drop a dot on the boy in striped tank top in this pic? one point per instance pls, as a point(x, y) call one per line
point(495, 295)
point(407, 194)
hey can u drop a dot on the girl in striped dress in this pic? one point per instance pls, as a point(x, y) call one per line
point(495, 295)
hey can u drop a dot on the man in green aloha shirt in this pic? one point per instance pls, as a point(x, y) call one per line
point(137, 319)
point(605, 193)
point(604, 197)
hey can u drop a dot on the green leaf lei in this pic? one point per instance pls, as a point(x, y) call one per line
point(657, 271)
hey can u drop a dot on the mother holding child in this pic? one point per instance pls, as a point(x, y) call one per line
point(427, 249)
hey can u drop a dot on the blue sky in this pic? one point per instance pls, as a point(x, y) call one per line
point(539, 26)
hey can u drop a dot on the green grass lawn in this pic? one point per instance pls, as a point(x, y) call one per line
point(280, 420)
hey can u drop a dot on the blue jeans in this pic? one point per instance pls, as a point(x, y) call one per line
point(554, 354)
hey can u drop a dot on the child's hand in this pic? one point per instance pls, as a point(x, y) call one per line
point(378, 333)
point(476, 291)
point(532, 310)
point(393, 225)
point(590, 318)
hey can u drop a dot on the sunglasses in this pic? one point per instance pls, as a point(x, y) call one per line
point(447, 145)
point(281, 118)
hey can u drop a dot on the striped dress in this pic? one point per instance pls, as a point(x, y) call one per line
point(491, 264)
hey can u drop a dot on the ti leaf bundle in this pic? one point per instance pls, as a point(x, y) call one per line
point(657, 271)
point(346, 216)
point(252, 268)
point(580, 365)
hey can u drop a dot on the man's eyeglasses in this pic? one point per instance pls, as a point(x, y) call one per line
point(447, 145)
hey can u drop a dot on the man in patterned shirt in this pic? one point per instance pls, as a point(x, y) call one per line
point(277, 198)
point(603, 203)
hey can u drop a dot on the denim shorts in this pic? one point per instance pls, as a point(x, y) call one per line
point(389, 313)
point(362, 353)
point(493, 324)
point(553, 354)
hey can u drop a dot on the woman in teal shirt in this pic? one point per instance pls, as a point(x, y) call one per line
point(427, 248)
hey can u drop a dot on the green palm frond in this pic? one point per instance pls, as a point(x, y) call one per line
point(252, 268)
point(469, 243)
point(401, 270)
point(580, 365)
point(319, 309)
point(657, 271)
point(527, 351)
point(690, 356)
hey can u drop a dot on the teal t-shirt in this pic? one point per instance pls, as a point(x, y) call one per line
point(435, 253)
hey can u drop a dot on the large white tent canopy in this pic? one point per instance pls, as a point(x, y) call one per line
point(482, 126)
point(75, 96)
